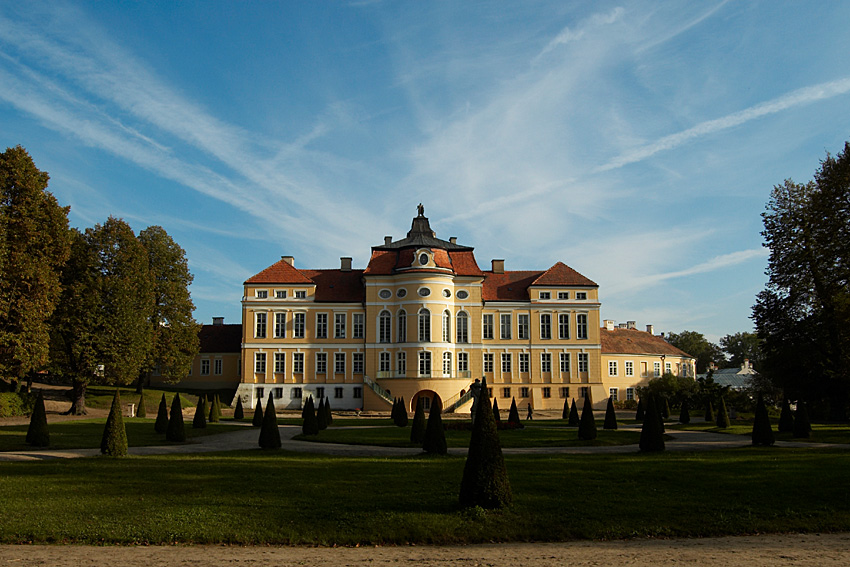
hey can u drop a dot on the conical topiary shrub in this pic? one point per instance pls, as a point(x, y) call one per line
point(802, 426)
point(786, 418)
point(176, 431)
point(435, 436)
point(485, 478)
point(329, 418)
point(565, 413)
point(161, 423)
point(513, 416)
point(200, 419)
point(310, 425)
point(257, 420)
point(574, 420)
point(402, 413)
point(321, 417)
point(709, 411)
point(215, 409)
point(722, 419)
point(587, 425)
point(762, 432)
point(114, 439)
point(496, 415)
point(394, 412)
point(685, 413)
point(664, 407)
point(641, 411)
point(610, 415)
point(269, 433)
point(37, 433)
point(417, 432)
point(141, 410)
point(651, 434)
point(239, 412)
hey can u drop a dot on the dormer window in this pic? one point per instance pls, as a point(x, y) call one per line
point(581, 295)
point(423, 259)
point(262, 294)
point(545, 295)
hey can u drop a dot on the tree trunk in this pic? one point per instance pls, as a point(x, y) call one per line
point(78, 399)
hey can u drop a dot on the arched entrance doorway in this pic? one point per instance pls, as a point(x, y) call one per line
point(426, 396)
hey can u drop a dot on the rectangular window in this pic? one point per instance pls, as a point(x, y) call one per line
point(262, 293)
point(522, 327)
point(582, 362)
point(614, 394)
point(581, 326)
point(563, 295)
point(298, 325)
point(506, 363)
point(630, 393)
point(279, 325)
point(384, 362)
point(424, 363)
point(339, 325)
point(339, 363)
point(612, 368)
point(358, 393)
point(217, 366)
point(545, 295)
point(462, 328)
point(447, 364)
point(401, 363)
point(300, 294)
point(656, 367)
point(298, 363)
point(563, 326)
point(583, 391)
point(357, 362)
point(205, 367)
point(545, 326)
point(564, 392)
point(424, 326)
point(545, 362)
point(260, 328)
point(581, 295)
point(505, 326)
point(260, 393)
point(547, 392)
point(523, 362)
point(278, 393)
point(279, 362)
point(320, 393)
point(338, 392)
point(630, 368)
point(402, 327)
point(321, 363)
point(280, 294)
point(488, 362)
point(668, 367)
point(487, 327)
point(321, 325)
point(565, 361)
point(463, 362)
point(447, 327)
point(295, 393)
point(523, 392)
point(506, 392)
point(259, 362)
point(358, 330)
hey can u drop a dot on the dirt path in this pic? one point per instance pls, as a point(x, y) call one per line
point(755, 551)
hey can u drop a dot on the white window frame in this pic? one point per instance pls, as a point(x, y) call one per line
point(546, 362)
point(447, 363)
point(505, 326)
point(489, 362)
point(321, 325)
point(339, 325)
point(299, 325)
point(339, 363)
point(614, 393)
point(462, 327)
point(358, 363)
point(279, 362)
point(462, 362)
point(424, 325)
point(524, 363)
point(612, 368)
point(298, 363)
point(358, 326)
point(424, 363)
point(280, 325)
point(583, 362)
point(205, 367)
point(259, 362)
point(629, 368)
point(522, 321)
point(321, 363)
point(581, 326)
point(384, 361)
point(506, 363)
point(447, 326)
point(401, 363)
point(402, 327)
point(260, 324)
point(564, 362)
point(487, 326)
point(385, 327)
point(563, 326)
point(545, 326)
point(218, 366)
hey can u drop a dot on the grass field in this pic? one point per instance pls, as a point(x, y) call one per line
point(286, 498)
point(821, 432)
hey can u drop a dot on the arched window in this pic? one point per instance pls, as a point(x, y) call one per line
point(424, 325)
point(402, 327)
point(447, 326)
point(462, 327)
point(385, 327)
point(447, 363)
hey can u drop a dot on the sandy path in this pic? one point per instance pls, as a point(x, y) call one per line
point(755, 551)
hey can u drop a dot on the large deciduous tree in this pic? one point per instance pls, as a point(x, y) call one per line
point(741, 347)
point(34, 244)
point(696, 345)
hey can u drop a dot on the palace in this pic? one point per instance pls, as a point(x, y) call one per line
point(423, 319)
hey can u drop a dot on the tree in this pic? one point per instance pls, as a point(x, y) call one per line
point(699, 347)
point(641, 410)
point(722, 419)
point(141, 410)
point(215, 409)
point(310, 425)
point(669, 387)
point(685, 413)
point(610, 415)
point(34, 245)
point(37, 433)
point(200, 419)
point(174, 332)
point(496, 415)
point(435, 436)
point(741, 347)
point(573, 421)
point(485, 478)
point(513, 416)
point(651, 434)
point(114, 440)
point(269, 432)
point(321, 418)
point(176, 431)
point(257, 420)
point(565, 412)
point(587, 425)
point(239, 412)
point(329, 418)
point(402, 418)
point(709, 411)
point(802, 425)
point(100, 329)
point(417, 432)
point(161, 424)
point(786, 418)
point(762, 432)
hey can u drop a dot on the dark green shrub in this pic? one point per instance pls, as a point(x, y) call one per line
point(496, 414)
point(722, 419)
point(664, 408)
point(574, 420)
point(402, 413)
point(215, 409)
point(565, 413)
point(651, 434)
point(394, 411)
point(709, 411)
point(239, 412)
point(587, 425)
point(610, 415)
point(37, 433)
point(141, 410)
point(161, 424)
point(435, 437)
point(786, 418)
point(684, 413)
point(762, 432)
point(257, 421)
point(641, 411)
point(200, 419)
point(269, 433)
point(485, 478)
point(513, 416)
point(14, 404)
point(310, 425)
point(176, 431)
point(114, 440)
point(321, 417)
point(329, 418)
point(417, 432)
point(802, 426)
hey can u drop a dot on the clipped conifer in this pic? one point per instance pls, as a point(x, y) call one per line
point(417, 432)
point(641, 411)
point(269, 433)
point(239, 412)
point(685, 413)
point(610, 415)
point(513, 416)
point(321, 417)
point(722, 419)
point(402, 413)
point(394, 411)
point(329, 418)
point(496, 415)
point(114, 440)
point(310, 425)
point(762, 432)
point(215, 409)
point(786, 418)
point(485, 478)
point(565, 413)
point(587, 424)
point(141, 410)
point(709, 411)
point(435, 436)
point(37, 433)
point(161, 424)
point(200, 419)
point(651, 434)
point(176, 431)
point(802, 426)
point(574, 420)
point(257, 420)
point(664, 408)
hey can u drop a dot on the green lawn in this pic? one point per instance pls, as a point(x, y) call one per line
point(87, 433)
point(821, 432)
point(101, 397)
point(287, 498)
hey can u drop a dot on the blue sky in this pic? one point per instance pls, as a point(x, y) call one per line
point(635, 141)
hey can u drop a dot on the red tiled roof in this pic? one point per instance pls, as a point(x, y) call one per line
point(561, 274)
point(281, 272)
point(386, 262)
point(633, 341)
point(382, 262)
point(464, 263)
point(335, 286)
point(221, 338)
point(509, 286)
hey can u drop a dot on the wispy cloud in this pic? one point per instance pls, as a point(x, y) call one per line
point(578, 32)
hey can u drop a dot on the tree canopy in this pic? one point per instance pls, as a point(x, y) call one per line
point(696, 345)
point(742, 346)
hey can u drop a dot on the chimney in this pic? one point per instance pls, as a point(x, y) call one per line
point(453, 239)
point(289, 260)
point(712, 366)
point(498, 266)
point(622, 326)
point(650, 329)
point(746, 364)
point(631, 324)
point(345, 264)
point(388, 240)
point(609, 325)
point(218, 321)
